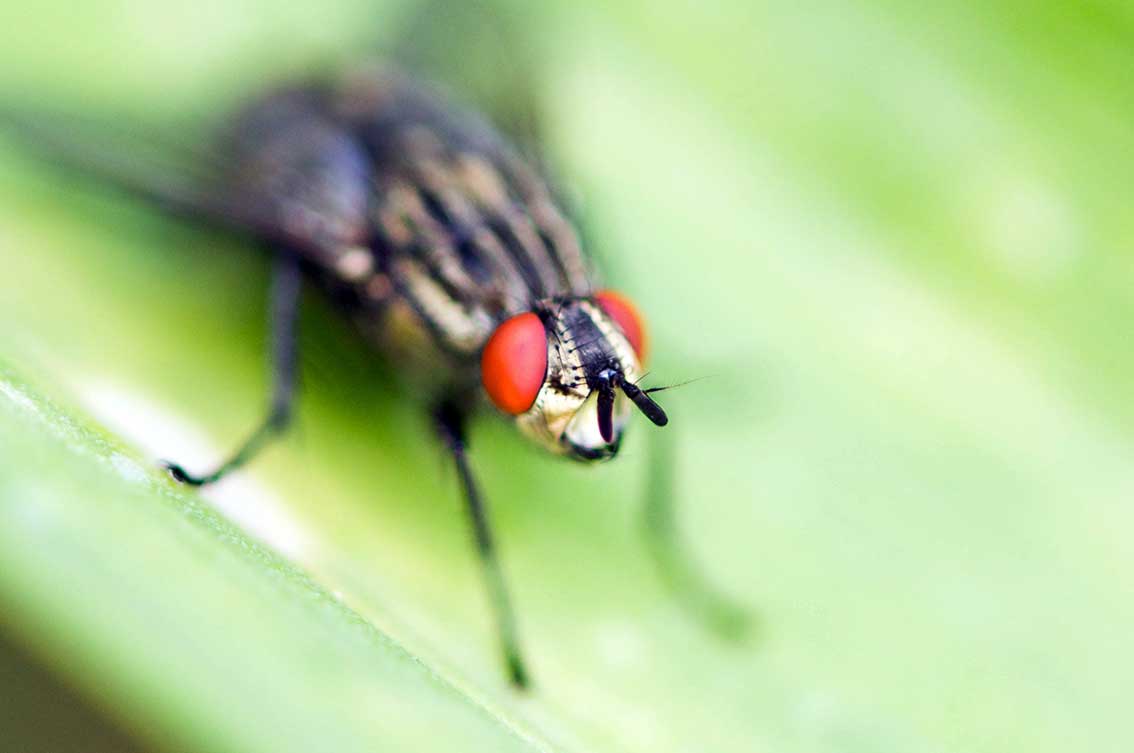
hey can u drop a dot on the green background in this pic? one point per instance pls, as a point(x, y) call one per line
point(896, 236)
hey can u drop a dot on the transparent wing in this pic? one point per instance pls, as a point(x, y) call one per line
point(478, 51)
point(185, 181)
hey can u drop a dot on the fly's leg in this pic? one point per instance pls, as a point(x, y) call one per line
point(692, 591)
point(287, 285)
point(451, 427)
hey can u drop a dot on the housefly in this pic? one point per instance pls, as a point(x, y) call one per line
point(452, 254)
point(449, 251)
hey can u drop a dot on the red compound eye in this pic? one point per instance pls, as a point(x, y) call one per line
point(514, 363)
point(626, 316)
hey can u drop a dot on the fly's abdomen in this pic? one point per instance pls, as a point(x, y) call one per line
point(289, 157)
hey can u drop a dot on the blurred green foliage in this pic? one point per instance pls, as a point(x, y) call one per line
point(897, 236)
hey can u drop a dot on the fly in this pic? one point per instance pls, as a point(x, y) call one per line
point(450, 253)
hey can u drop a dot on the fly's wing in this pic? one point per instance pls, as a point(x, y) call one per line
point(199, 183)
point(166, 174)
point(287, 174)
point(477, 51)
point(293, 162)
point(283, 174)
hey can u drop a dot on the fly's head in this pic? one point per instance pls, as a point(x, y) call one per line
point(568, 370)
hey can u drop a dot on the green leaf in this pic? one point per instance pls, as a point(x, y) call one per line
point(897, 242)
point(155, 605)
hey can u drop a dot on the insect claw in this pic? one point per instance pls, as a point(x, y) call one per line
point(517, 673)
point(179, 474)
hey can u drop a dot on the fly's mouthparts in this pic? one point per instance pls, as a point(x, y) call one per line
point(608, 379)
point(606, 412)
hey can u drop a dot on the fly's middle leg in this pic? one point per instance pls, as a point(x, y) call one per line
point(287, 289)
point(450, 422)
point(688, 585)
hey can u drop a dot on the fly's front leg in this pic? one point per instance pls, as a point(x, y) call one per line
point(688, 585)
point(287, 288)
point(451, 428)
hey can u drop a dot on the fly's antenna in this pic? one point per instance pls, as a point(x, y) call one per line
point(644, 402)
point(652, 390)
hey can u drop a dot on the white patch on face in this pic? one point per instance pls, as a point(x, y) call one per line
point(583, 430)
point(548, 418)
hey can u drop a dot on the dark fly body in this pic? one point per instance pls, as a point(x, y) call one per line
point(453, 257)
point(450, 253)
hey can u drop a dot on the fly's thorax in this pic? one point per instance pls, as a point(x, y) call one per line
point(585, 347)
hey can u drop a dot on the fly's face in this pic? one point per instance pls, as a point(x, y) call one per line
point(568, 372)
